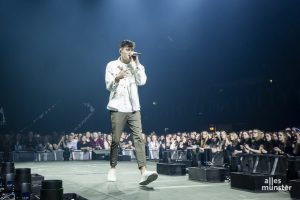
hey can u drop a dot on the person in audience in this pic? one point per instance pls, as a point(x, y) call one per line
point(296, 150)
point(198, 138)
point(215, 142)
point(54, 138)
point(289, 133)
point(83, 144)
point(233, 146)
point(76, 137)
point(18, 143)
point(62, 144)
point(192, 140)
point(284, 146)
point(183, 144)
point(144, 138)
point(268, 144)
point(224, 140)
point(129, 145)
point(47, 146)
point(72, 142)
point(225, 147)
point(96, 142)
point(88, 136)
point(161, 139)
point(173, 144)
point(178, 139)
point(30, 144)
point(39, 141)
point(107, 142)
point(167, 144)
point(154, 147)
point(122, 144)
point(205, 141)
point(256, 144)
point(7, 146)
point(245, 141)
point(275, 139)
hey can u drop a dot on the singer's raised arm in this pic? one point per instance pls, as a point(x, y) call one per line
point(140, 75)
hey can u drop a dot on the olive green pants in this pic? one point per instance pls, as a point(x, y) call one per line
point(133, 120)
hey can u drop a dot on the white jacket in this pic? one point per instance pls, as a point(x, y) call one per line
point(124, 95)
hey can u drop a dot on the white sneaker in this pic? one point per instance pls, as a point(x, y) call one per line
point(148, 177)
point(111, 176)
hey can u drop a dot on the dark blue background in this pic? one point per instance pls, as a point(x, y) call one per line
point(207, 61)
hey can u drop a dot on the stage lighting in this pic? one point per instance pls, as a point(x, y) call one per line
point(212, 128)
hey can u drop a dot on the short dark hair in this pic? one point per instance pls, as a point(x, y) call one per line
point(128, 43)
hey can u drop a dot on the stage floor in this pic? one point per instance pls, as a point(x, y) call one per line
point(88, 179)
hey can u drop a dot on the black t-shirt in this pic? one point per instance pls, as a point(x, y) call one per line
point(182, 146)
point(234, 146)
point(286, 148)
point(248, 141)
point(205, 144)
point(242, 143)
point(192, 142)
point(30, 144)
point(255, 144)
point(82, 145)
point(269, 146)
point(215, 142)
point(297, 146)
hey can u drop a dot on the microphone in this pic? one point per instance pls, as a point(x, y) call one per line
point(136, 53)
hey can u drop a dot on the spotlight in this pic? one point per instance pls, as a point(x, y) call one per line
point(212, 128)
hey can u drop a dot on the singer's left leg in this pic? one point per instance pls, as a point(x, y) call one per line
point(135, 126)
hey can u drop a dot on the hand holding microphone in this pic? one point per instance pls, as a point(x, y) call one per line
point(136, 53)
point(134, 58)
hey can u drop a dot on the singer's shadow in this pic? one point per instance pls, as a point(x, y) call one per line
point(146, 188)
point(113, 189)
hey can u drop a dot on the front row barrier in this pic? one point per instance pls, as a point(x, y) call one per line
point(129, 152)
point(81, 155)
point(202, 166)
point(252, 163)
point(38, 156)
point(259, 163)
point(194, 156)
point(41, 156)
point(264, 172)
point(60, 155)
point(49, 156)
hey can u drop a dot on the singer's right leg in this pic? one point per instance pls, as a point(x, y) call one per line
point(118, 121)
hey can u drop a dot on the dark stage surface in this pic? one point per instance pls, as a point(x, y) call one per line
point(88, 179)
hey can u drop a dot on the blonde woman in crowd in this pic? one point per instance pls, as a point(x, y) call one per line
point(154, 147)
point(205, 141)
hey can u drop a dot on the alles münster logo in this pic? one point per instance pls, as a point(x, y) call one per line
point(272, 184)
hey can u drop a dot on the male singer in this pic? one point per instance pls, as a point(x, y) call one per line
point(122, 77)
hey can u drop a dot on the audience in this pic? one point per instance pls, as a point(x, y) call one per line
point(284, 142)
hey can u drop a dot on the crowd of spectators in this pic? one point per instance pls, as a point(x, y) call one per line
point(285, 142)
